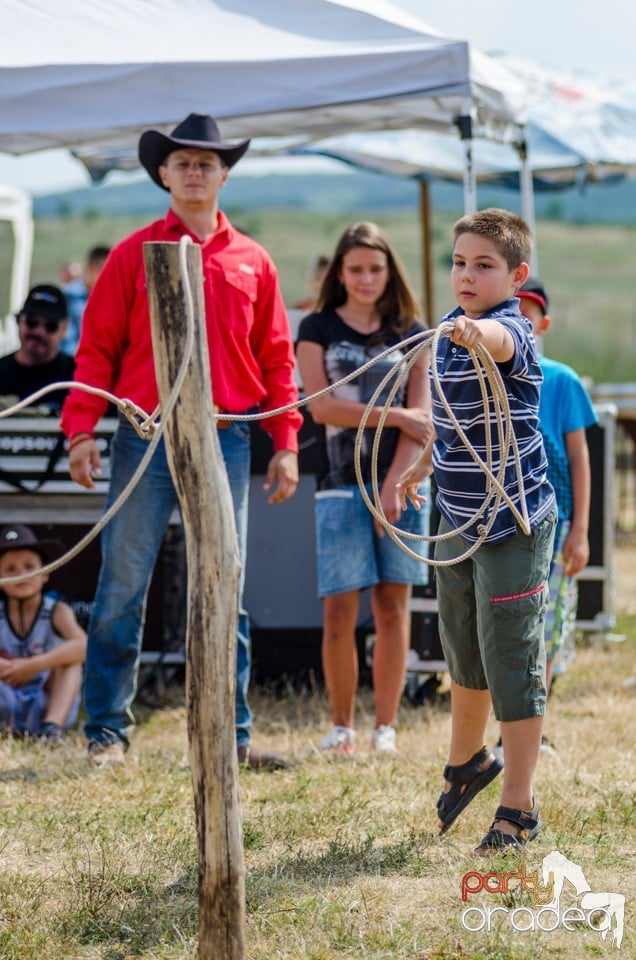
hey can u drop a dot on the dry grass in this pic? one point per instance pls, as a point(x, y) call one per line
point(342, 857)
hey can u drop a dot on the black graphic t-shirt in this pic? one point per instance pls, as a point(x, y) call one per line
point(347, 350)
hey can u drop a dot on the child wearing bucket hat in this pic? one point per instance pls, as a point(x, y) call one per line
point(42, 646)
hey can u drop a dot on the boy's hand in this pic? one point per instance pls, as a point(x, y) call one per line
point(408, 483)
point(467, 333)
point(16, 672)
point(576, 552)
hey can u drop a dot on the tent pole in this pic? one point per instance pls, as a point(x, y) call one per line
point(427, 252)
point(526, 187)
point(465, 127)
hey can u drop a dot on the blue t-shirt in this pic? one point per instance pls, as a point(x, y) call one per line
point(460, 481)
point(76, 296)
point(564, 406)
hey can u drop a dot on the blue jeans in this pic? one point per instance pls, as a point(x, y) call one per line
point(130, 544)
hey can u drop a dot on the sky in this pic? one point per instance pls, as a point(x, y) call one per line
point(582, 36)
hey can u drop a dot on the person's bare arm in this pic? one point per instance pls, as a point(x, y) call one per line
point(414, 421)
point(418, 395)
point(576, 549)
point(19, 670)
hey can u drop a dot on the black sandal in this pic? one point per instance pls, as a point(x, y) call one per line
point(529, 827)
point(452, 802)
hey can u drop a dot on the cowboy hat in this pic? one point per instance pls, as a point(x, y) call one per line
point(198, 131)
point(17, 536)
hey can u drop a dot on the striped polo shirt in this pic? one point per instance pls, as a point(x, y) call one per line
point(460, 481)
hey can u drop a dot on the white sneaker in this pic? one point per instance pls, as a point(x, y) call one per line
point(383, 739)
point(546, 748)
point(339, 740)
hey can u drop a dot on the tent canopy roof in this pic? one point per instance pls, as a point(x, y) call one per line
point(263, 69)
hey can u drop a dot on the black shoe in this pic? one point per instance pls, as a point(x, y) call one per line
point(257, 760)
point(50, 734)
point(528, 824)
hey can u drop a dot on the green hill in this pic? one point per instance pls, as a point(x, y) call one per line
point(359, 192)
point(585, 241)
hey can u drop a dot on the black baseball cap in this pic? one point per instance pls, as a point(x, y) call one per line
point(533, 289)
point(45, 300)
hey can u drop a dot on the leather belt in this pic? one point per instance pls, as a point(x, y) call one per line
point(221, 424)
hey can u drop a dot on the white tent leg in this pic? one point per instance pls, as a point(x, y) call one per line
point(527, 200)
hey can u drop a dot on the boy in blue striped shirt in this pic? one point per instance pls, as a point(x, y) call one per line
point(492, 603)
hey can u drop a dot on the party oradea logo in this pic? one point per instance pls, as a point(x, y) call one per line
point(582, 909)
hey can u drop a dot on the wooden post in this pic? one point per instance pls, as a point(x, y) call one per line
point(213, 561)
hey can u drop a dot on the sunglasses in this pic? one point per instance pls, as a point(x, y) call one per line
point(50, 325)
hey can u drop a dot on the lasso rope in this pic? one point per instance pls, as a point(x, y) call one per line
point(507, 441)
point(148, 428)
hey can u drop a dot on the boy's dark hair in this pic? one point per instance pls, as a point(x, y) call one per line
point(397, 306)
point(510, 233)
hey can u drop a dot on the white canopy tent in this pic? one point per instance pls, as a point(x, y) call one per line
point(582, 113)
point(264, 68)
point(98, 72)
point(15, 206)
point(579, 129)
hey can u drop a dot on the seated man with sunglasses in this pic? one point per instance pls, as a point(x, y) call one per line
point(42, 325)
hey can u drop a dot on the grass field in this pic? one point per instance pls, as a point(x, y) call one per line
point(588, 271)
point(342, 858)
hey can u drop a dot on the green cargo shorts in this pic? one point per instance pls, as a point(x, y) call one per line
point(492, 610)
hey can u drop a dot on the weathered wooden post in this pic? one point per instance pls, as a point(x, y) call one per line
point(213, 560)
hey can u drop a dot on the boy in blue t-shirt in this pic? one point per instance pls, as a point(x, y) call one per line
point(565, 413)
point(493, 602)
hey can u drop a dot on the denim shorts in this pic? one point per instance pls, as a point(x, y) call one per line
point(492, 610)
point(351, 556)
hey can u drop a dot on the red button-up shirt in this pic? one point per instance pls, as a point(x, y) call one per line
point(251, 353)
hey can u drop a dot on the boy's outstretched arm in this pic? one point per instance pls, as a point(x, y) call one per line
point(489, 334)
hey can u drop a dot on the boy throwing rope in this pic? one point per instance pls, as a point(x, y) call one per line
point(492, 605)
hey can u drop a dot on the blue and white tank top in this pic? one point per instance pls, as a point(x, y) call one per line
point(40, 639)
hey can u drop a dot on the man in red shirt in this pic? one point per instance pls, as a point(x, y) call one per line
point(251, 360)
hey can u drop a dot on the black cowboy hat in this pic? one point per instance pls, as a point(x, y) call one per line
point(198, 131)
point(17, 536)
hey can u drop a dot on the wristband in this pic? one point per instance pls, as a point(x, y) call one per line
point(79, 438)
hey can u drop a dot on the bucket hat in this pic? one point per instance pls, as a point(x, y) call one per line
point(198, 131)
